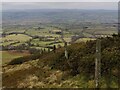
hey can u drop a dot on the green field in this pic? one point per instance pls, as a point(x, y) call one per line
point(18, 37)
point(84, 40)
point(7, 56)
point(14, 39)
point(41, 43)
point(15, 30)
point(43, 32)
point(61, 44)
point(8, 43)
point(100, 30)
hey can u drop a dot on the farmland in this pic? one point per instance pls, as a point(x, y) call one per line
point(44, 37)
point(56, 48)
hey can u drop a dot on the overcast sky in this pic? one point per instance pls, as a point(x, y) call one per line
point(59, 0)
point(60, 5)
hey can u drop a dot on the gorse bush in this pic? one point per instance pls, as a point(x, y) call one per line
point(79, 69)
point(82, 57)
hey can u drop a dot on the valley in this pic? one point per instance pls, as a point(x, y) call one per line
point(56, 48)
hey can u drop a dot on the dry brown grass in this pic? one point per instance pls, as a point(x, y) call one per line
point(27, 75)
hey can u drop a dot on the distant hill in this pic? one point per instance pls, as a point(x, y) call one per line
point(59, 16)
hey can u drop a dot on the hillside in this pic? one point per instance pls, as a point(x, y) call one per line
point(53, 70)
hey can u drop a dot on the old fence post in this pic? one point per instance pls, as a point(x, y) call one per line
point(98, 63)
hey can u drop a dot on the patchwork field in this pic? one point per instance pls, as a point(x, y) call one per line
point(41, 32)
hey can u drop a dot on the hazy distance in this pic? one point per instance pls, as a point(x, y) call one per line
point(60, 5)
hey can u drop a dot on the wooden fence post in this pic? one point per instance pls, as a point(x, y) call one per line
point(98, 63)
point(66, 52)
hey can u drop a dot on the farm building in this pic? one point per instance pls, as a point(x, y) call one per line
point(56, 32)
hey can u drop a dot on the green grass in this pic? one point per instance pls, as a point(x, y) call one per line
point(16, 30)
point(61, 44)
point(7, 56)
point(41, 48)
point(18, 37)
point(9, 39)
point(101, 30)
point(43, 32)
point(67, 34)
point(7, 43)
point(67, 39)
point(41, 43)
point(17, 44)
point(87, 34)
point(84, 40)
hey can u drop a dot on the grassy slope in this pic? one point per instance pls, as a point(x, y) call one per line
point(52, 69)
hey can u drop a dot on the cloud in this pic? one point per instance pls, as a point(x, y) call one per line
point(61, 5)
point(60, 0)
